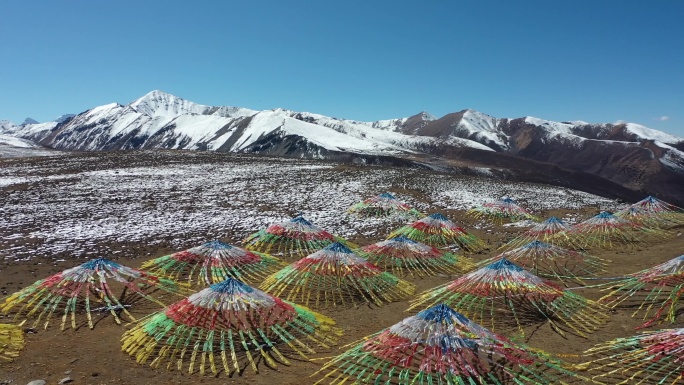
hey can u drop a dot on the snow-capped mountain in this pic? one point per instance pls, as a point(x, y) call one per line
point(161, 120)
point(63, 118)
point(468, 124)
point(634, 156)
point(6, 125)
point(30, 121)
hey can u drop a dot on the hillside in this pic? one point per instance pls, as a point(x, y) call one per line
point(641, 160)
point(132, 206)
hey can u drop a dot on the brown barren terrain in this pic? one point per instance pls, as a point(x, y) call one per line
point(95, 356)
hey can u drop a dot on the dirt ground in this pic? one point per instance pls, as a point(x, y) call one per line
point(95, 357)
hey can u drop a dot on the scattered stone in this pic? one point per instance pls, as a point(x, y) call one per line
point(68, 372)
point(37, 382)
point(65, 380)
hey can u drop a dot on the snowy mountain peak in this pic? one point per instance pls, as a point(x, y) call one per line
point(478, 121)
point(154, 95)
point(425, 116)
point(551, 126)
point(158, 94)
point(160, 103)
point(5, 124)
point(474, 115)
point(29, 121)
point(281, 111)
point(631, 131)
point(62, 118)
point(157, 104)
point(651, 134)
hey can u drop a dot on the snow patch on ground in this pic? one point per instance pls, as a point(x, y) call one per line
point(90, 206)
point(13, 147)
point(9, 140)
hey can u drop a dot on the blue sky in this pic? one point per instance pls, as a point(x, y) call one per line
point(598, 61)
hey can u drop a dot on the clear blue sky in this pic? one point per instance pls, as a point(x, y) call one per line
point(598, 61)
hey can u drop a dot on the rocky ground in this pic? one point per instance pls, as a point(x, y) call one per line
point(60, 211)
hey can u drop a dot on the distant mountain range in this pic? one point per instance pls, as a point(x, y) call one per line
point(623, 160)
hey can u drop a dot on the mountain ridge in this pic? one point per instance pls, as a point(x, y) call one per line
point(634, 156)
